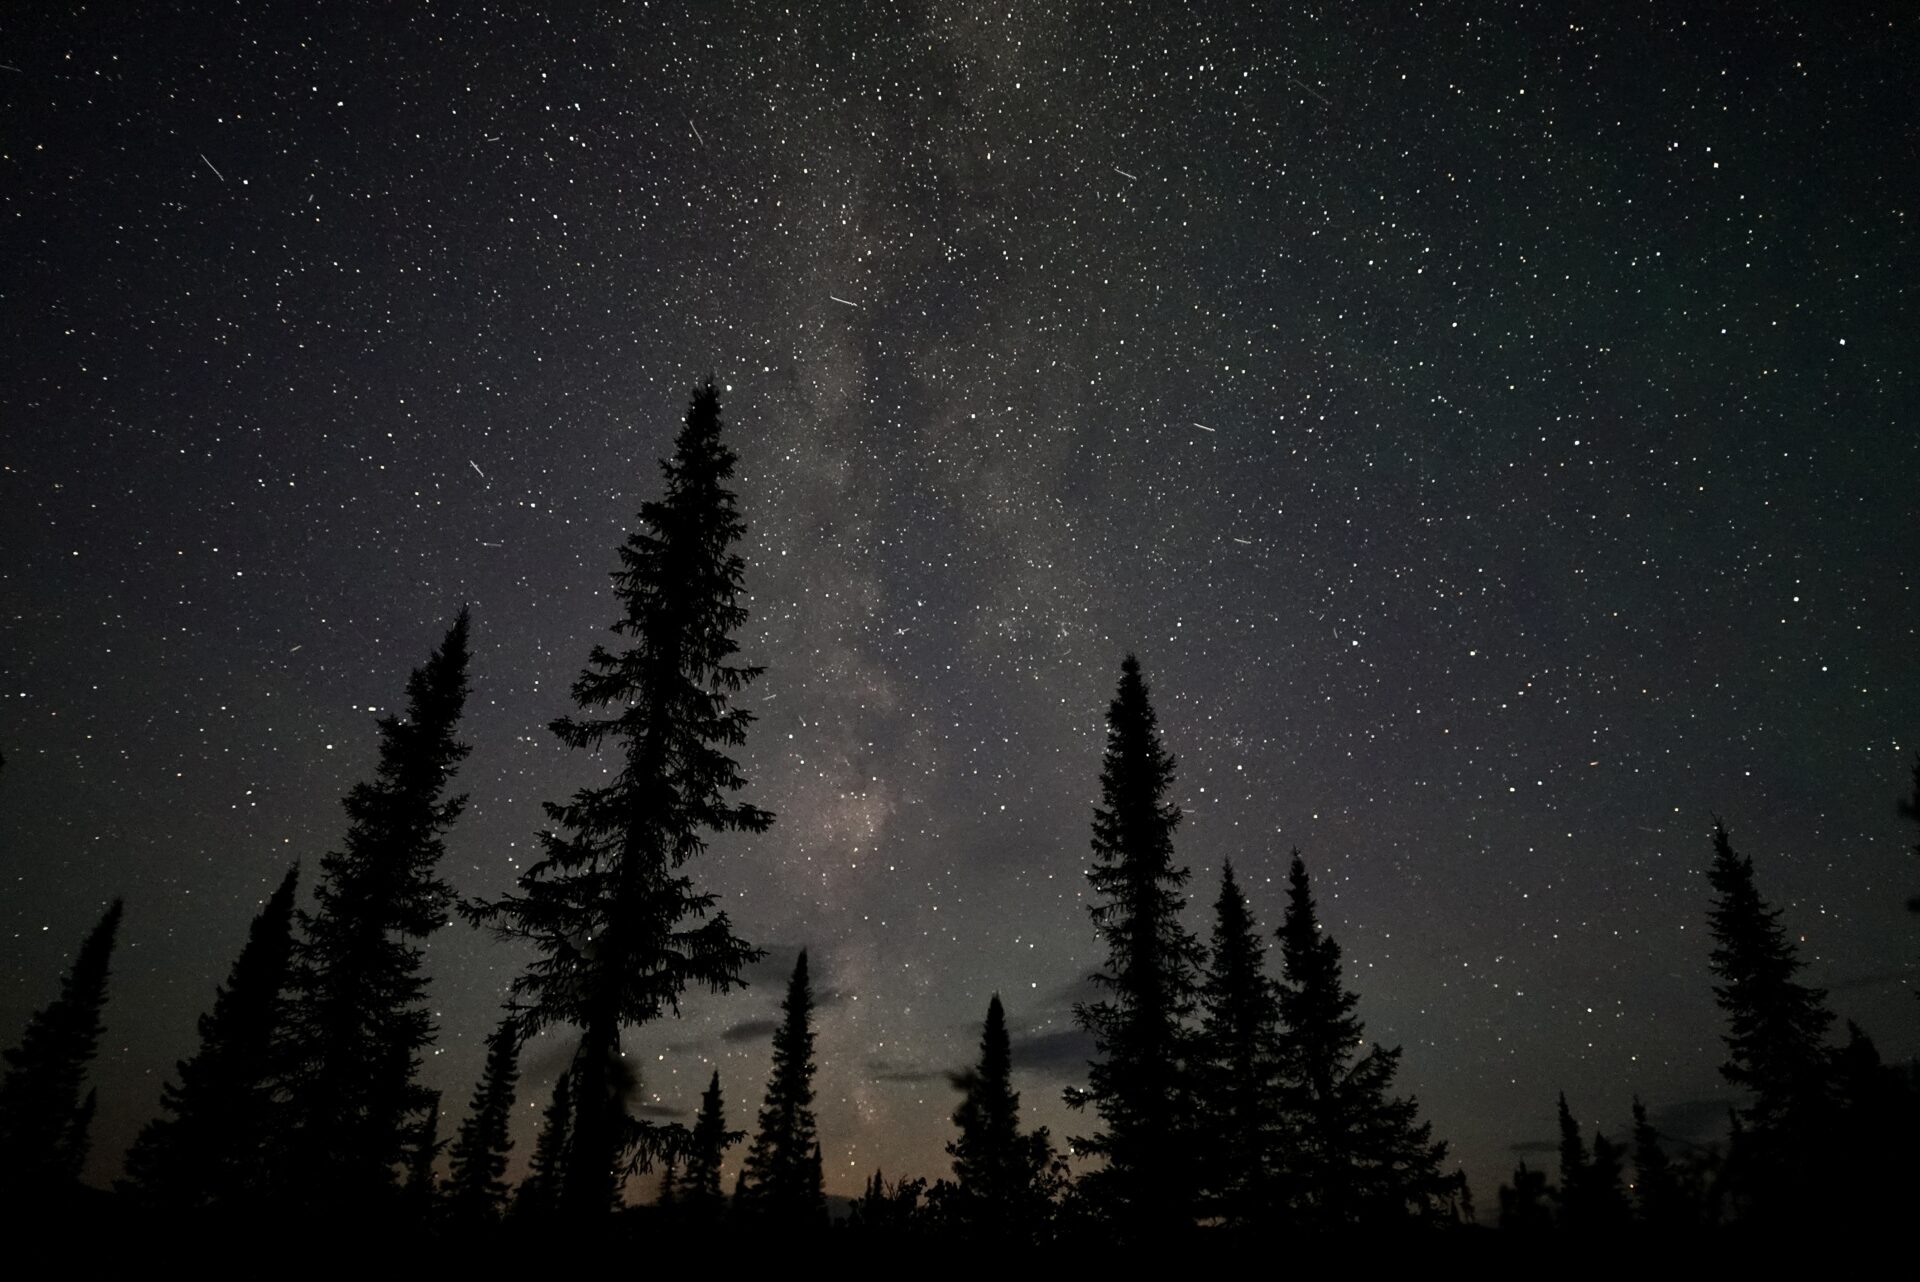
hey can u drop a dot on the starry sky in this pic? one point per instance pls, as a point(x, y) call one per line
point(1493, 425)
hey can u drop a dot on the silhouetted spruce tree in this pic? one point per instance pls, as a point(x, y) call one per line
point(1526, 1204)
point(700, 1196)
point(1237, 1071)
point(358, 1019)
point(1776, 1036)
point(476, 1188)
point(210, 1146)
point(1140, 1083)
point(621, 932)
point(667, 1200)
point(1000, 1174)
point(1876, 1132)
point(424, 1150)
point(1358, 1156)
point(538, 1196)
point(887, 1210)
point(1656, 1190)
point(783, 1179)
point(1593, 1198)
point(45, 1122)
point(1574, 1213)
point(1606, 1185)
point(816, 1186)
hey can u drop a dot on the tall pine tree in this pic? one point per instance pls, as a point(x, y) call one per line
point(210, 1146)
point(424, 1149)
point(476, 1188)
point(1237, 1070)
point(539, 1194)
point(1776, 1039)
point(1657, 1194)
point(45, 1121)
point(782, 1175)
point(1359, 1156)
point(1592, 1197)
point(1140, 1083)
point(701, 1200)
point(1573, 1170)
point(1000, 1174)
point(359, 1022)
point(1524, 1204)
point(620, 931)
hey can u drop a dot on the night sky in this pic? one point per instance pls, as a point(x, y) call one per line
point(1492, 425)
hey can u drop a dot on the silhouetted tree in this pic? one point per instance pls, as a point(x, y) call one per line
point(476, 1187)
point(667, 1200)
point(1776, 1035)
point(210, 1146)
point(783, 1179)
point(1593, 1198)
point(1359, 1155)
point(358, 1019)
point(701, 1198)
point(425, 1149)
point(1525, 1205)
point(45, 1122)
point(1237, 1069)
point(1875, 1133)
point(1606, 1185)
point(538, 1196)
point(620, 930)
point(1459, 1200)
point(887, 1210)
point(1656, 1187)
point(1001, 1175)
point(1573, 1171)
point(1140, 1083)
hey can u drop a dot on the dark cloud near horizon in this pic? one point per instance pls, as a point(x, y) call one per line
point(1063, 1053)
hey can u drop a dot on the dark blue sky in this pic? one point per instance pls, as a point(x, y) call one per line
point(1493, 427)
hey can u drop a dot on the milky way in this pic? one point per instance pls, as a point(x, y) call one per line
point(1493, 428)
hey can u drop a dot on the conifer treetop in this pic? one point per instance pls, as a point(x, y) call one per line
point(620, 930)
point(358, 1022)
point(208, 1148)
point(476, 1186)
point(1776, 1026)
point(782, 1171)
point(44, 1119)
point(1140, 1084)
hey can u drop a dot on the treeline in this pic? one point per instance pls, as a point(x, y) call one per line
point(1825, 1130)
point(1226, 1094)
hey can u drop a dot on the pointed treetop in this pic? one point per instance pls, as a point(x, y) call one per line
point(208, 1147)
point(44, 1119)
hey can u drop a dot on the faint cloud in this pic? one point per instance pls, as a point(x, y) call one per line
point(881, 1070)
point(749, 1030)
point(1691, 1119)
point(1063, 1052)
